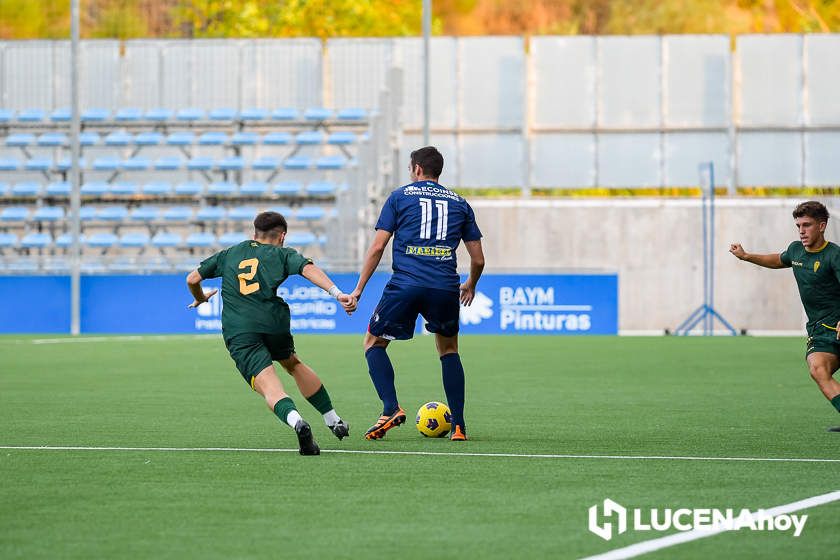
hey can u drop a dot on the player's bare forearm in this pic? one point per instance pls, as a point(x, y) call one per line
point(476, 261)
point(317, 277)
point(773, 260)
point(194, 285)
point(372, 259)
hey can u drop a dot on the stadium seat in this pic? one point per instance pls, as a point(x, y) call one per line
point(180, 139)
point(277, 139)
point(27, 189)
point(213, 138)
point(144, 214)
point(52, 139)
point(65, 240)
point(286, 211)
point(253, 114)
point(89, 138)
point(232, 238)
point(135, 239)
point(221, 188)
point(189, 188)
point(285, 114)
point(30, 115)
point(298, 162)
point(158, 115)
point(148, 139)
point(201, 239)
point(61, 115)
point(107, 163)
point(168, 163)
point(119, 138)
point(253, 188)
point(242, 213)
point(157, 188)
point(64, 164)
point(200, 163)
point(287, 188)
point(38, 164)
point(266, 163)
point(95, 115)
point(48, 214)
point(222, 114)
point(6, 115)
point(341, 138)
point(331, 162)
point(36, 240)
point(310, 213)
point(112, 214)
point(210, 214)
point(20, 140)
point(8, 240)
point(309, 138)
point(191, 114)
point(9, 164)
point(320, 188)
point(124, 189)
point(101, 240)
point(351, 114)
point(4, 189)
point(14, 214)
point(59, 188)
point(245, 139)
point(165, 239)
point(318, 114)
point(136, 164)
point(177, 214)
point(87, 213)
point(128, 114)
point(95, 188)
point(233, 163)
point(300, 239)
point(322, 240)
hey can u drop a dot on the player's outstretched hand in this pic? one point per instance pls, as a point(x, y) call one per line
point(348, 302)
point(467, 294)
point(207, 296)
point(737, 250)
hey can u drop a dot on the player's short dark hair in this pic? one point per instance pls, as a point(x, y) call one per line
point(812, 209)
point(430, 161)
point(270, 224)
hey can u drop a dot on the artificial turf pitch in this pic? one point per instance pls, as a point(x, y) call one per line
point(693, 397)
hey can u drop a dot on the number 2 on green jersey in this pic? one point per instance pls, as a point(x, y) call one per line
point(244, 287)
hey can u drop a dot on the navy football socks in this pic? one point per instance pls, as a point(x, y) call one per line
point(453, 384)
point(382, 374)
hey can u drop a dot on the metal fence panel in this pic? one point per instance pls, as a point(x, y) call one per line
point(444, 78)
point(177, 73)
point(99, 85)
point(142, 79)
point(563, 160)
point(216, 74)
point(491, 160)
point(564, 81)
point(772, 159)
point(629, 92)
point(491, 74)
point(771, 79)
point(358, 69)
point(697, 80)
point(282, 73)
point(684, 151)
point(629, 160)
point(28, 74)
point(822, 79)
point(822, 159)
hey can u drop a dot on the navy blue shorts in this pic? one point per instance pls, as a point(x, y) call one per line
point(395, 316)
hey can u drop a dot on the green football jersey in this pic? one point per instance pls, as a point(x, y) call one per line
point(251, 272)
point(818, 277)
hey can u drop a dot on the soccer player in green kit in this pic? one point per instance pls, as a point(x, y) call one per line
point(816, 267)
point(256, 322)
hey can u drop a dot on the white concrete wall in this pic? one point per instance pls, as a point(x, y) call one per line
point(655, 247)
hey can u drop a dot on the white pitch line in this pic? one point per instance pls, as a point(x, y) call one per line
point(678, 538)
point(424, 453)
point(130, 338)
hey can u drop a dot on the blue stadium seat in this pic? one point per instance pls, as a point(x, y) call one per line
point(14, 214)
point(232, 238)
point(177, 214)
point(144, 214)
point(166, 239)
point(135, 239)
point(277, 139)
point(101, 240)
point(298, 162)
point(36, 240)
point(309, 137)
point(168, 163)
point(87, 213)
point(95, 188)
point(61, 115)
point(245, 139)
point(65, 240)
point(119, 138)
point(287, 188)
point(180, 139)
point(107, 163)
point(52, 139)
point(223, 114)
point(136, 163)
point(157, 188)
point(20, 140)
point(4, 189)
point(253, 114)
point(201, 239)
point(266, 163)
point(311, 213)
point(6, 115)
point(9, 164)
point(191, 114)
point(352, 114)
point(221, 188)
point(300, 239)
point(322, 240)
point(341, 138)
point(96, 115)
point(64, 164)
point(242, 213)
point(112, 214)
point(318, 114)
point(30, 115)
point(38, 164)
point(148, 139)
point(200, 163)
point(213, 138)
point(321, 188)
point(233, 163)
point(26, 189)
point(189, 188)
point(285, 114)
point(59, 189)
point(286, 211)
point(48, 214)
point(129, 114)
point(331, 162)
point(253, 188)
point(8, 240)
point(158, 115)
point(210, 214)
point(124, 188)
point(89, 138)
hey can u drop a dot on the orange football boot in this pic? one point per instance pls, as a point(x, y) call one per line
point(385, 423)
point(458, 434)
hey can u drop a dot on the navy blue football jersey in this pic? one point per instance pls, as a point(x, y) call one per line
point(428, 222)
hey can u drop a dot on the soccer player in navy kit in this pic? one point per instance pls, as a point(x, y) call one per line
point(428, 222)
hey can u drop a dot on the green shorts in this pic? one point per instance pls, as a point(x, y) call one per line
point(253, 352)
point(823, 340)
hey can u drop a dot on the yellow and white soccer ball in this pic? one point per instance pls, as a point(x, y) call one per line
point(434, 419)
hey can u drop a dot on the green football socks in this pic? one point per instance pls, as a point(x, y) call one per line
point(286, 411)
point(322, 403)
point(836, 402)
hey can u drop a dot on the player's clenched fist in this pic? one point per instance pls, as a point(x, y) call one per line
point(348, 302)
point(737, 250)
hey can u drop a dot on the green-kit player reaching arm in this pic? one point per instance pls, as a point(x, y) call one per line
point(256, 322)
point(816, 267)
